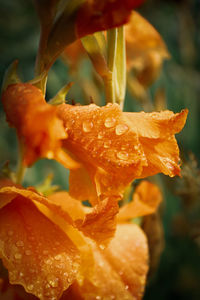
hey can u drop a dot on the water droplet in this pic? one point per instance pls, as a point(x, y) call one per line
point(18, 255)
point(100, 135)
point(29, 287)
point(98, 298)
point(28, 252)
point(58, 257)
point(87, 126)
point(110, 122)
point(21, 274)
point(20, 243)
point(10, 232)
point(121, 129)
point(107, 144)
point(50, 154)
point(126, 287)
point(122, 155)
point(102, 247)
point(53, 281)
point(109, 104)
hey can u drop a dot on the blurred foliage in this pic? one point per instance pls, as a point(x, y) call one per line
point(178, 22)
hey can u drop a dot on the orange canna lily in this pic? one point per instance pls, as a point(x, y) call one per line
point(40, 131)
point(116, 147)
point(44, 251)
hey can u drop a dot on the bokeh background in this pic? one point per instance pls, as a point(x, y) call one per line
point(177, 275)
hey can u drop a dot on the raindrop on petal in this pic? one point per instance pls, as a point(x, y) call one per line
point(121, 129)
point(122, 155)
point(87, 126)
point(110, 122)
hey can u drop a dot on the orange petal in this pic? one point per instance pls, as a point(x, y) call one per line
point(145, 201)
point(162, 156)
point(158, 141)
point(37, 254)
point(33, 196)
point(157, 124)
point(81, 187)
point(101, 15)
point(39, 129)
point(124, 263)
point(68, 204)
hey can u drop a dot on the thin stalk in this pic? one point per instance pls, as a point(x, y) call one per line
point(109, 79)
point(21, 169)
point(120, 66)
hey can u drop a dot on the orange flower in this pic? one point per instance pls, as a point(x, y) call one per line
point(40, 131)
point(44, 252)
point(146, 49)
point(115, 148)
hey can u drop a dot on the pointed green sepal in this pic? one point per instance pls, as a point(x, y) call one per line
point(60, 97)
point(11, 76)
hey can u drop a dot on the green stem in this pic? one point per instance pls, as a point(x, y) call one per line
point(21, 169)
point(120, 62)
point(109, 80)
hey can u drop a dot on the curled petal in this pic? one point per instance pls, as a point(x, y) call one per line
point(39, 129)
point(44, 267)
point(145, 201)
point(124, 262)
point(98, 223)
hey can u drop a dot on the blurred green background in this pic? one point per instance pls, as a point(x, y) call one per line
point(178, 274)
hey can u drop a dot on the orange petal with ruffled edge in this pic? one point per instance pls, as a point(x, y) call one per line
point(37, 254)
point(102, 15)
point(115, 147)
point(124, 263)
point(71, 212)
point(146, 200)
point(39, 129)
point(103, 142)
